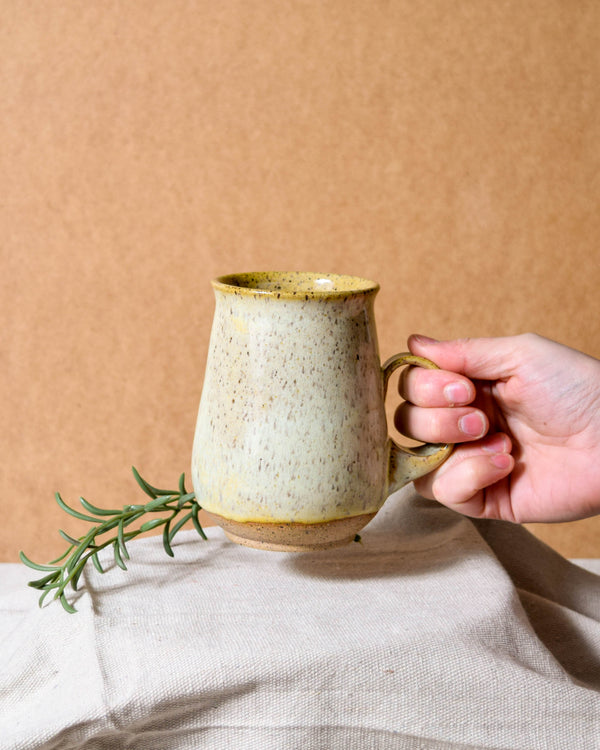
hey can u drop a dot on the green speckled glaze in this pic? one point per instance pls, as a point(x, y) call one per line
point(291, 449)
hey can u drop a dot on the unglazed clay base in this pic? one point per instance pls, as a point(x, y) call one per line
point(293, 537)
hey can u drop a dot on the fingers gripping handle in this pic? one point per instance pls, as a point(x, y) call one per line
point(406, 464)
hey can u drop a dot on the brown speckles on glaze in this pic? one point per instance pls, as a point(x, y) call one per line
point(296, 285)
point(291, 435)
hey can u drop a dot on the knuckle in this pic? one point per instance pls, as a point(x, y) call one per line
point(435, 428)
point(419, 386)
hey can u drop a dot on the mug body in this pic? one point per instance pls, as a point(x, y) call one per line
point(291, 444)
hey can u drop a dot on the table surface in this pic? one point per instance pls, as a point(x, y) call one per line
point(434, 632)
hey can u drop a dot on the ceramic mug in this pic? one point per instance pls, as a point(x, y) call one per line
point(291, 449)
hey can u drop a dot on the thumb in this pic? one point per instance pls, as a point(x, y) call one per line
point(482, 358)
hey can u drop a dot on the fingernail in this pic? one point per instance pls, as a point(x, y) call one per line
point(501, 461)
point(496, 444)
point(424, 339)
point(457, 393)
point(472, 424)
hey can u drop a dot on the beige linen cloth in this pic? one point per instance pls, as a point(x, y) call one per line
point(434, 632)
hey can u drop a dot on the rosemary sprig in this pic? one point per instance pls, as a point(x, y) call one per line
point(67, 569)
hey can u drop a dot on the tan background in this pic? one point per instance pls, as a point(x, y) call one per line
point(447, 149)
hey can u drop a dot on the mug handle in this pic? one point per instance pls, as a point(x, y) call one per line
point(406, 464)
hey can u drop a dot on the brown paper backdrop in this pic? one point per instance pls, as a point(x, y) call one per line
point(448, 150)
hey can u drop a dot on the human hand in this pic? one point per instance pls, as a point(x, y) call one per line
point(525, 415)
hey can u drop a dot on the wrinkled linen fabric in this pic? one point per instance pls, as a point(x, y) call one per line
point(434, 632)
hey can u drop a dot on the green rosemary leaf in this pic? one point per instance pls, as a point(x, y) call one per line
point(98, 511)
point(86, 546)
point(149, 525)
point(62, 557)
point(121, 541)
point(69, 607)
point(72, 562)
point(75, 557)
point(72, 541)
point(48, 590)
point(196, 521)
point(182, 489)
point(167, 539)
point(97, 563)
point(158, 503)
point(142, 482)
point(179, 524)
point(125, 517)
point(117, 553)
point(148, 488)
point(185, 499)
point(76, 576)
point(34, 565)
point(72, 511)
point(42, 583)
point(163, 492)
point(43, 596)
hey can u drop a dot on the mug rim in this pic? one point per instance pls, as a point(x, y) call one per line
point(281, 283)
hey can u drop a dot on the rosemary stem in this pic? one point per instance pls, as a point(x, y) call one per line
point(166, 502)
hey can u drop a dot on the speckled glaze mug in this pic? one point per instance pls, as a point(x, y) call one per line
point(291, 450)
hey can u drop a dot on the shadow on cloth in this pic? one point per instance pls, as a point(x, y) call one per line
point(409, 536)
point(561, 599)
point(168, 720)
point(412, 536)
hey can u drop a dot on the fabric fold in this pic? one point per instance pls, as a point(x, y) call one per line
point(433, 632)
